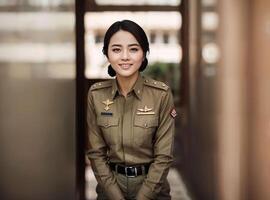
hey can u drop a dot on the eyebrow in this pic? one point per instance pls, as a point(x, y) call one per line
point(119, 45)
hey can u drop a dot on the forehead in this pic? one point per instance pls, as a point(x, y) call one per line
point(123, 37)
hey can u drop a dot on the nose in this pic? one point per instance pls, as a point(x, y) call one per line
point(125, 55)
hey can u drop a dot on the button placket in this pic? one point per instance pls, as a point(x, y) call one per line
point(145, 125)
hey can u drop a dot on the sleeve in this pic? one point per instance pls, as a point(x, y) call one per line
point(163, 150)
point(97, 154)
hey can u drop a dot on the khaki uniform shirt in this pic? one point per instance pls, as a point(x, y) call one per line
point(133, 130)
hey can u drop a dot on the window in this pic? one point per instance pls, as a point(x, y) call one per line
point(165, 38)
point(138, 2)
point(98, 38)
point(152, 37)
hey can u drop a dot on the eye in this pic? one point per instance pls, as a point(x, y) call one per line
point(134, 49)
point(116, 50)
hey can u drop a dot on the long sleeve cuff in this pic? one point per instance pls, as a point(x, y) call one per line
point(145, 193)
point(114, 193)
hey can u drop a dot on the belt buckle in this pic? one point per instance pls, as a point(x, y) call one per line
point(132, 176)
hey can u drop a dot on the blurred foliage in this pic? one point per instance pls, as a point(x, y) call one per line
point(168, 73)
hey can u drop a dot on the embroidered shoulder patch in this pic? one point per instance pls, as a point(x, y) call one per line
point(173, 113)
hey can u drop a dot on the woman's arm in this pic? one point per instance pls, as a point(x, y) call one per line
point(163, 150)
point(97, 154)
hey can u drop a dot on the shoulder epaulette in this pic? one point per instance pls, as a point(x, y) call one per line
point(156, 84)
point(100, 85)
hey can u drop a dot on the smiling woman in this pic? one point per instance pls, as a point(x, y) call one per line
point(125, 54)
point(130, 122)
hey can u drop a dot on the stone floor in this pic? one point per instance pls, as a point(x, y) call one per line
point(178, 189)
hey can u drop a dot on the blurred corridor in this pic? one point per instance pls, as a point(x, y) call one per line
point(214, 54)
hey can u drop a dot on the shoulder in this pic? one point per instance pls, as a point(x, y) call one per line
point(101, 85)
point(149, 82)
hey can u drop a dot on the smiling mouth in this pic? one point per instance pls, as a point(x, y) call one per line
point(125, 66)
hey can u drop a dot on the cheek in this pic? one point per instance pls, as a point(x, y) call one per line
point(112, 58)
point(140, 59)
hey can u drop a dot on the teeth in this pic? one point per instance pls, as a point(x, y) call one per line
point(125, 65)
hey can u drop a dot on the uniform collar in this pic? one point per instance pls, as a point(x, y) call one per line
point(137, 88)
point(115, 90)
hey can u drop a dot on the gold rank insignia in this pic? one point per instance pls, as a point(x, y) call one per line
point(145, 111)
point(107, 103)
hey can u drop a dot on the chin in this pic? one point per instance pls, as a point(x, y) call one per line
point(126, 74)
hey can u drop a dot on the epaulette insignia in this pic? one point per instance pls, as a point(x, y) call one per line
point(100, 85)
point(156, 84)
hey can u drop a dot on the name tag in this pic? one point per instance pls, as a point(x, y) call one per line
point(106, 113)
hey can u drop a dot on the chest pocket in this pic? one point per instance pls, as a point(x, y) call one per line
point(144, 130)
point(110, 129)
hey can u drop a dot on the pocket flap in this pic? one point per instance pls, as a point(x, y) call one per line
point(107, 121)
point(146, 122)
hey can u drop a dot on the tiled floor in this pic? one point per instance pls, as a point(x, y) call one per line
point(178, 189)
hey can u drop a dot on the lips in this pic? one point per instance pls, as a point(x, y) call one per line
point(125, 65)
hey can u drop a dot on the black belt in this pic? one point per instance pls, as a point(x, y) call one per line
point(130, 171)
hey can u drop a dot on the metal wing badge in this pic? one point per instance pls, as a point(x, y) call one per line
point(145, 111)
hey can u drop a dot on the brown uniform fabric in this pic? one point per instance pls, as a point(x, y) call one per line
point(133, 130)
point(131, 186)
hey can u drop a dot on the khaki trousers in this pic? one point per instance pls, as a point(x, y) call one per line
point(131, 186)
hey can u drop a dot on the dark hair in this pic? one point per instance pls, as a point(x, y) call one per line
point(136, 31)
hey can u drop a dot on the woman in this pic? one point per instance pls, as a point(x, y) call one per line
point(131, 122)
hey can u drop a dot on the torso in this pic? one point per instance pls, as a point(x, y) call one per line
point(129, 124)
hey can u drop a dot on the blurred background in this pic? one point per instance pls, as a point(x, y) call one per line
point(212, 53)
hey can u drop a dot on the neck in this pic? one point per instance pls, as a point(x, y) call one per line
point(126, 83)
